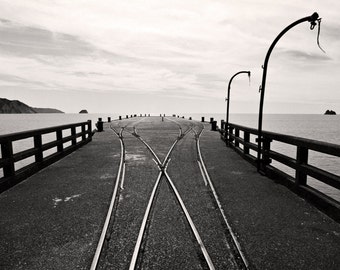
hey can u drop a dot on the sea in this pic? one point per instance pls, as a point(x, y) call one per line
point(325, 128)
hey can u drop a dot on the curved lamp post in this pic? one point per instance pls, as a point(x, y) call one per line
point(312, 19)
point(227, 99)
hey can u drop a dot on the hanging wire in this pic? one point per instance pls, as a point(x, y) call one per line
point(317, 40)
point(312, 25)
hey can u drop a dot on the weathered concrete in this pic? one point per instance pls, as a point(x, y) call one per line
point(53, 220)
point(276, 228)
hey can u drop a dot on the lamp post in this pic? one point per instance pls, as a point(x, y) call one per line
point(227, 99)
point(312, 19)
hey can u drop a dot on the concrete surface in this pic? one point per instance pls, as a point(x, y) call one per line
point(276, 228)
point(53, 219)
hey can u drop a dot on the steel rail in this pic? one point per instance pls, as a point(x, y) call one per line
point(163, 167)
point(144, 222)
point(207, 177)
point(120, 178)
point(191, 223)
point(112, 203)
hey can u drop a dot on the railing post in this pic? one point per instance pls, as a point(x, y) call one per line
point(89, 123)
point(237, 135)
point(265, 153)
point(222, 124)
point(214, 125)
point(60, 146)
point(38, 146)
point(246, 138)
point(301, 159)
point(83, 131)
point(229, 138)
point(7, 154)
point(202, 120)
point(73, 133)
point(100, 124)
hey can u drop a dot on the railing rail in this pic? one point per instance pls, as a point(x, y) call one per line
point(39, 151)
point(300, 164)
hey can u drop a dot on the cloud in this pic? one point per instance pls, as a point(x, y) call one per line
point(304, 56)
point(28, 41)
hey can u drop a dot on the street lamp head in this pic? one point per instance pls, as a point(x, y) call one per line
point(314, 17)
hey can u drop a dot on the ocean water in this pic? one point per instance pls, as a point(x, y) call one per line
point(325, 128)
point(317, 127)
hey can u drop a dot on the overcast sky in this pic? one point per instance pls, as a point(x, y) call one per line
point(169, 56)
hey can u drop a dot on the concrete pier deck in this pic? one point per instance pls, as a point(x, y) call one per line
point(53, 220)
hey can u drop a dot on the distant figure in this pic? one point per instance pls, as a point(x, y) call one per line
point(330, 112)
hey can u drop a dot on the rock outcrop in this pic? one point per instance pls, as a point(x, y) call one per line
point(330, 112)
point(16, 106)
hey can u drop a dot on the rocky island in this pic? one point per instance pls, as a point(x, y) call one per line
point(330, 112)
point(16, 106)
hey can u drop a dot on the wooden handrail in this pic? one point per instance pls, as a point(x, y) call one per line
point(300, 163)
point(12, 176)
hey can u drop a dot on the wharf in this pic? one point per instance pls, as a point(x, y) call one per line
point(54, 219)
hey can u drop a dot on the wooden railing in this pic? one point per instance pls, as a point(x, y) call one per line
point(61, 141)
point(239, 138)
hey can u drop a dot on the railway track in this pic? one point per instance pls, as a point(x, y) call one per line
point(136, 257)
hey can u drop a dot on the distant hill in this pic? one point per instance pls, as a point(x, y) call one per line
point(16, 106)
point(47, 110)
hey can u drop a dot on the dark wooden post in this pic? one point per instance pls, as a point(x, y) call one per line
point(214, 125)
point(89, 122)
point(7, 155)
point(73, 133)
point(109, 119)
point(60, 146)
point(246, 140)
point(301, 159)
point(265, 153)
point(202, 119)
point(83, 131)
point(38, 145)
point(211, 119)
point(222, 124)
point(229, 138)
point(237, 135)
point(100, 125)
